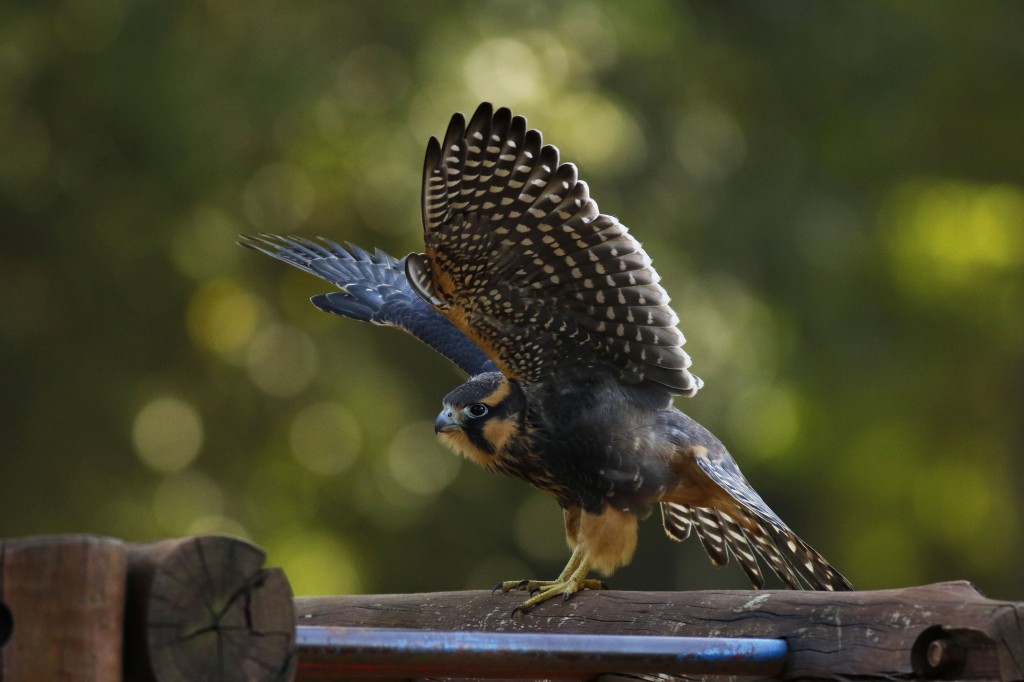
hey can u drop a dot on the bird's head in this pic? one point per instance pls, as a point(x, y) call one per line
point(480, 417)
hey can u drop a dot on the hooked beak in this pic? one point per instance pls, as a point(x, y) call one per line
point(446, 421)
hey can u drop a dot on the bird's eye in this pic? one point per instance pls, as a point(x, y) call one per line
point(476, 410)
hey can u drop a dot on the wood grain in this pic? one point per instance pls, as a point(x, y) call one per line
point(204, 609)
point(64, 602)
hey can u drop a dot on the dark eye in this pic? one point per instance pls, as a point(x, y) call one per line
point(476, 410)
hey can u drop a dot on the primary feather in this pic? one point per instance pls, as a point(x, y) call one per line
point(373, 288)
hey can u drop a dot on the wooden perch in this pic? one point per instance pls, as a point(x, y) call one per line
point(942, 631)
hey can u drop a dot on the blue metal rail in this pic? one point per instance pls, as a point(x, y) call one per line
point(340, 652)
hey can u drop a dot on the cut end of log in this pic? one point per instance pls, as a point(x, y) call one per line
point(205, 609)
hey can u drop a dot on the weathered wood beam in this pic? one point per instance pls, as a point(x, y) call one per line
point(941, 631)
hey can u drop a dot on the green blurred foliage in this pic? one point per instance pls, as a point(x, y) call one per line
point(832, 192)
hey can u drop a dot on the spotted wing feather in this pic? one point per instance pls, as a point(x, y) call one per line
point(373, 288)
point(520, 258)
point(750, 519)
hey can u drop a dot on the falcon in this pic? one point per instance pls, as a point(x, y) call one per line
point(555, 312)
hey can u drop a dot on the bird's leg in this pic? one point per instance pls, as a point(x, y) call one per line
point(573, 583)
point(572, 579)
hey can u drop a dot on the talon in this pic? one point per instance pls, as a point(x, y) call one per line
point(523, 584)
point(518, 610)
point(497, 587)
point(566, 596)
point(509, 585)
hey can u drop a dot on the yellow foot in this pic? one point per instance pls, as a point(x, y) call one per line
point(543, 590)
point(572, 579)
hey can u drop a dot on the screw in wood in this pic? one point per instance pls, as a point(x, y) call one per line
point(945, 657)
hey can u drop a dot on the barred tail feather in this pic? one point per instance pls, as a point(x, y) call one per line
point(720, 535)
point(677, 520)
point(738, 542)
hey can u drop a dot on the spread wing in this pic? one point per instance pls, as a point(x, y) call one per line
point(373, 288)
point(519, 258)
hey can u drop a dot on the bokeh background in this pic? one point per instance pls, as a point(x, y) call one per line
point(832, 192)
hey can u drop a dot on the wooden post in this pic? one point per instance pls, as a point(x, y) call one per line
point(61, 606)
point(204, 608)
point(942, 631)
point(92, 609)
